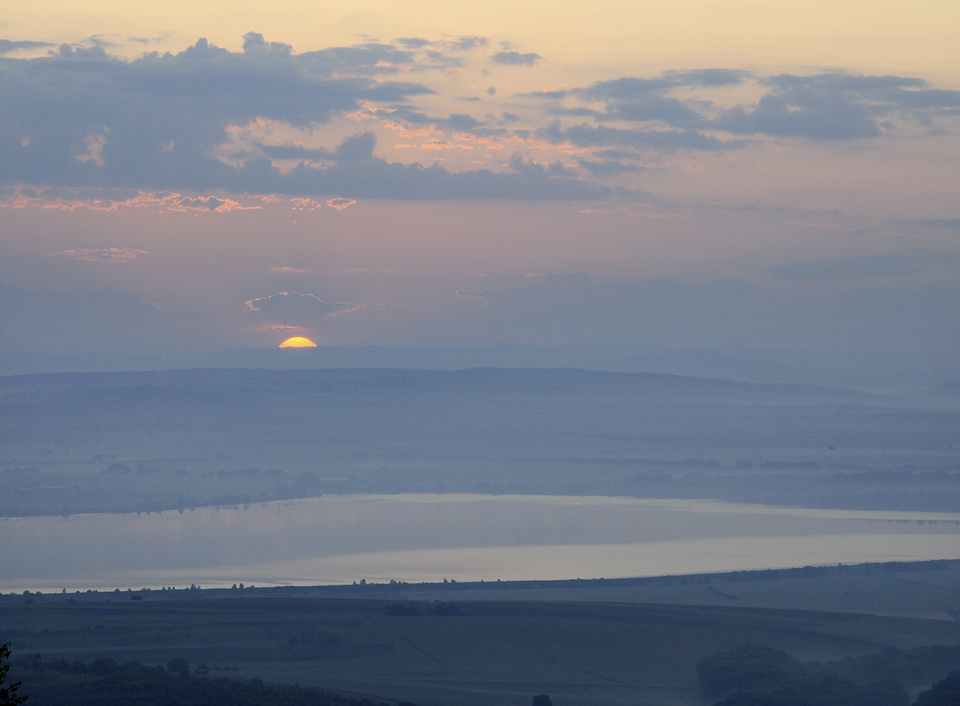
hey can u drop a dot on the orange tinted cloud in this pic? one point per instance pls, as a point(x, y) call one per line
point(108, 255)
point(115, 200)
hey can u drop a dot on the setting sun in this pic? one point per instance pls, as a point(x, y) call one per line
point(298, 342)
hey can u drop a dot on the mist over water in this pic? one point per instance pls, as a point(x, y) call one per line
point(424, 537)
point(419, 475)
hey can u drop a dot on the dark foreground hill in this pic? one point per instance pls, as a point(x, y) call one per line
point(472, 653)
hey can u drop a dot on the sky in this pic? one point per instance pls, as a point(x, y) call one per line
point(198, 177)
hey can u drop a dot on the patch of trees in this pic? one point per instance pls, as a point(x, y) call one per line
point(8, 694)
point(103, 682)
point(760, 676)
point(823, 691)
point(749, 668)
point(945, 692)
point(916, 667)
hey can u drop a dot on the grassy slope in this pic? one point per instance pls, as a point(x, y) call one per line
point(493, 653)
point(915, 589)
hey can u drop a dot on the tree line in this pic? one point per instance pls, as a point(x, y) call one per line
point(760, 676)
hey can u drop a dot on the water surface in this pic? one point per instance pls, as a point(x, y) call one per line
point(334, 539)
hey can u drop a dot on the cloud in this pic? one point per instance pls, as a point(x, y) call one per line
point(586, 135)
point(115, 200)
point(947, 224)
point(108, 255)
point(897, 264)
point(357, 148)
point(643, 100)
point(438, 54)
point(94, 149)
point(637, 99)
point(463, 294)
point(8, 45)
point(836, 106)
point(465, 43)
point(513, 58)
point(369, 177)
point(305, 204)
point(828, 107)
point(804, 109)
point(294, 307)
point(608, 168)
point(298, 152)
point(82, 198)
point(458, 122)
point(69, 51)
point(366, 176)
point(522, 166)
point(81, 117)
point(149, 40)
point(253, 42)
point(413, 42)
point(159, 116)
point(435, 144)
point(706, 77)
point(369, 59)
point(207, 119)
point(371, 270)
point(210, 204)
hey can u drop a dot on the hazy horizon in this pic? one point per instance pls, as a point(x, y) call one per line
point(183, 184)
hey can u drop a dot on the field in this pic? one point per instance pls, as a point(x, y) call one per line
point(477, 652)
point(144, 442)
point(912, 589)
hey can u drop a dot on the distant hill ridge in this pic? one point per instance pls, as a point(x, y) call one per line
point(542, 379)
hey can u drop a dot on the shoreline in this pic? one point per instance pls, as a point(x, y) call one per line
point(495, 590)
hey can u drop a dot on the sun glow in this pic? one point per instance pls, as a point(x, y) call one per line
point(298, 342)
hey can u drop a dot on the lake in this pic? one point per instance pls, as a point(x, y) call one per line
point(421, 537)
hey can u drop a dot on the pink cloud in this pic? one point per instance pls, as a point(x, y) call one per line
point(636, 211)
point(304, 204)
point(476, 297)
point(114, 200)
point(108, 255)
point(94, 144)
point(341, 203)
point(436, 144)
point(207, 204)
